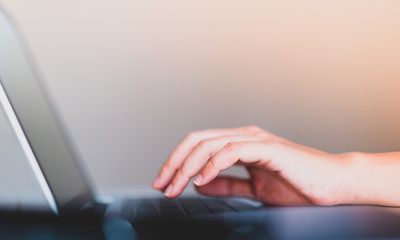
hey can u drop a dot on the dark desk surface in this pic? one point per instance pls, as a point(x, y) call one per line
point(340, 222)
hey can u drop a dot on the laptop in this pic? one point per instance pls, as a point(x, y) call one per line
point(65, 186)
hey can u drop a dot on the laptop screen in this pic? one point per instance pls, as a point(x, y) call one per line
point(36, 125)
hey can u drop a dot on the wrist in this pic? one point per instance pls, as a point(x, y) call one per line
point(371, 179)
point(351, 190)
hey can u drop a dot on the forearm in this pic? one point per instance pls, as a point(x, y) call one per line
point(372, 179)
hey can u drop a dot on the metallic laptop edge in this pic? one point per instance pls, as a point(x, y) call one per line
point(50, 155)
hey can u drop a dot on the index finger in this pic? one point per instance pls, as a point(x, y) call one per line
point(184, 148)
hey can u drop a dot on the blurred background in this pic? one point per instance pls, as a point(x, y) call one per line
point(131, 78)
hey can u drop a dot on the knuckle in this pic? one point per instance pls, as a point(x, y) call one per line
point(253, 128)
point(211, 163)
point(258, 132)
point(270, 143)
point(205, 147)
point(191, 135)
point(181, 173)
point(232, 147)
point(203, 143)
point(169, 166)
point(266, 135)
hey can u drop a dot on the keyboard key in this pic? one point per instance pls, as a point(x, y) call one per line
point(193, 206)
point(171, 208)
point(216, 205)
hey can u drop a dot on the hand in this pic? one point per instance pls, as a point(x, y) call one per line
point(281, 172)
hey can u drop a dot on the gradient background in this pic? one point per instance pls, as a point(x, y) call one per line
point(131, 78)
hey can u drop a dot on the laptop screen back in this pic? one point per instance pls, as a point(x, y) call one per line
point(37, 128)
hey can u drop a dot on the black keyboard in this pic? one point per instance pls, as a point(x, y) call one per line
point(184, 206)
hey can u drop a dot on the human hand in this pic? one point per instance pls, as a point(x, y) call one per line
point(281, 172)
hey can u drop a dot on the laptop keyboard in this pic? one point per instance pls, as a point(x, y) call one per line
point(184, 206)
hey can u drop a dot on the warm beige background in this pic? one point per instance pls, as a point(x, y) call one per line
point(132, 77)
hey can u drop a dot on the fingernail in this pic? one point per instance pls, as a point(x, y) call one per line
point(198, 179)
point(156, 182)
point(168, 190)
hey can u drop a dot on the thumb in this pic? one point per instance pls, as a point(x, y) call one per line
point(224, 186)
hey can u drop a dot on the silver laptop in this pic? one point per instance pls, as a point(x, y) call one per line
point(56, 167)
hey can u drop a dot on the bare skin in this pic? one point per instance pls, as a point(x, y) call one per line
point(281, 172)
